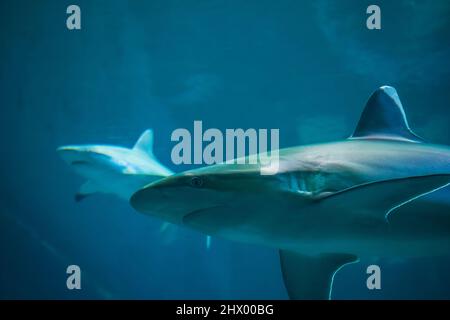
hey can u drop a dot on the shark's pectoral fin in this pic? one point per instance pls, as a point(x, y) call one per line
point(208, 242)
point(378, 199)
point(80, 197)
point(87, 189)
point(311, 277)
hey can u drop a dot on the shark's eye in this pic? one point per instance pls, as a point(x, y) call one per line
point(196, 182)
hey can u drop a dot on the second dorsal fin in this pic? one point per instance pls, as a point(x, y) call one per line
point(384, 118)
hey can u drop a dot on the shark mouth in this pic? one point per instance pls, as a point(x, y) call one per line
point(190, 216)
point(79, 162)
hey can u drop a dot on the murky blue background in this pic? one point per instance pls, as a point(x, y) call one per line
point(306, 67)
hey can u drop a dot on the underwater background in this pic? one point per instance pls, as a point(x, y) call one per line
point(305, 67)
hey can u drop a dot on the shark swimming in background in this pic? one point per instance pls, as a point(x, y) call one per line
point(117, 170)
point(114, 170)
point(327, 205)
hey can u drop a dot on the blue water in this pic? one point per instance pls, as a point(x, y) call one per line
point(306, 67)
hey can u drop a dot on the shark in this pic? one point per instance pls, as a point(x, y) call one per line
point(327, 205)
point(119, 171)
point(112, 169)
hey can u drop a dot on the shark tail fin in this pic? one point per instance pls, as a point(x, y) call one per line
point(384, 118)
point(145, 142)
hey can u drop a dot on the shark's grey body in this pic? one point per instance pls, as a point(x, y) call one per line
point(327, 205)
point(300, 208)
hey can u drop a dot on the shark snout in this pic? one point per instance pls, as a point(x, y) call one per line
point(174, 197)
point(81, 155)
point(72, 154)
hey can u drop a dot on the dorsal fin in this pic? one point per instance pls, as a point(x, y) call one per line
point(145, 142)
point(384, 118)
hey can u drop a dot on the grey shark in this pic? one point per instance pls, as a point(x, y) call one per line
point(113, 169)
point(118, 171)
point(327, 206)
